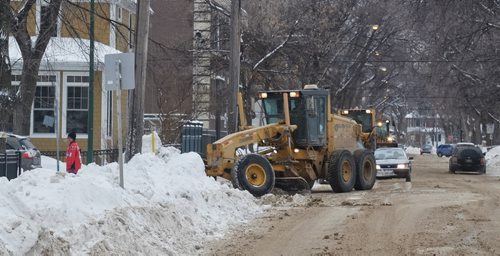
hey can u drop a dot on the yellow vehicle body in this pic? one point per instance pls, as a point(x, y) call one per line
point(295, 148)
point(372, 133)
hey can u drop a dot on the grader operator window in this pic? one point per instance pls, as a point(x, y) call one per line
point(363, 118)
point(308, 112)
point(273, 107)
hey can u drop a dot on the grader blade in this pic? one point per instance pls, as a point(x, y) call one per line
point(291, 184)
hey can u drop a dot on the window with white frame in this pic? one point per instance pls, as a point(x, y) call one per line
point(119, 13)
point(52, 28)
point(44, 103)
point(77, 103)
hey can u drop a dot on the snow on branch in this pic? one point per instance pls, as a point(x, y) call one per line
point(278, 47)
point(474, 78)
point(493, 117)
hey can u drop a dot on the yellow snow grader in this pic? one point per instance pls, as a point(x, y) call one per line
point(302, 142)
point(372, 133)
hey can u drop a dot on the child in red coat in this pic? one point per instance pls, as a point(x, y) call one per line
point(73, 159)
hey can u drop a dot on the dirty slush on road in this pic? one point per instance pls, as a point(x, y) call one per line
point(436, 214)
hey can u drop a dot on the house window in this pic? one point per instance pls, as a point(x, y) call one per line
point(44, 103)
point(51, 28)
point(130, 32)
point(109, 114)
point(77, 100)
point(119, 13)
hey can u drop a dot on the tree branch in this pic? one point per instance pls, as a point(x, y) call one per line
point(278, 47)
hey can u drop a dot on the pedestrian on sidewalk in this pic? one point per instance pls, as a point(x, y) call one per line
point(73, 159)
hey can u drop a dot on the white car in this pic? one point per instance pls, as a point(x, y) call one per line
point(393, 163)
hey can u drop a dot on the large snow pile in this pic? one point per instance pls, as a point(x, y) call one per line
point(168, 207)
point(413, 150)
point(493, 157)
point(416, 151)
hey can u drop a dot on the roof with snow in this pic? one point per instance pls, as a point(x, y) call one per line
point(64, 53)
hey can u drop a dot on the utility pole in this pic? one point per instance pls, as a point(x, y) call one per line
point(136, 100)
point(234, 66)
point(90, 122)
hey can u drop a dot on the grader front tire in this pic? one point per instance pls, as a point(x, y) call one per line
point(341, 171)
point(253, 173)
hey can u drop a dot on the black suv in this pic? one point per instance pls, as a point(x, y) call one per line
point(467, 158)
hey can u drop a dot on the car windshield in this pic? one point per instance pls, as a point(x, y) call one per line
point(393, 153)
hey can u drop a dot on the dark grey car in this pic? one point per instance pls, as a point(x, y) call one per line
point(30, 155)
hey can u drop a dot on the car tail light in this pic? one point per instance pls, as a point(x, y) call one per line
point(27, 155)
point(483, 161)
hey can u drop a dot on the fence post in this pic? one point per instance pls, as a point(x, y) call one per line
point(18, 163)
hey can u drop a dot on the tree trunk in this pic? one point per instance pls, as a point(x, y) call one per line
point(5, 68)
point(27, 89)
point(32, 55)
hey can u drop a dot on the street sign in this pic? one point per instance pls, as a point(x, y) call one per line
point(119, 75)
point(490, 128)
point(119, 71)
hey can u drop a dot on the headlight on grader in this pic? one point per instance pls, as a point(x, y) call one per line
point(368, 111)
point(345, 112)
point(263, 95)
point(294, 94)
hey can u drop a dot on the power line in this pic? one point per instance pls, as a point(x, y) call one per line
point(420, 61)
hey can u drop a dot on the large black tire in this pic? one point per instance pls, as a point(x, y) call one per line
point(451, 170)
point(341, 171)
point(482, 170)
point(253, 173)
point(365, 168)
point(408, 177)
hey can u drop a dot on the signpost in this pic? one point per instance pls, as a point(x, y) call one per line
point(490, 129)
point(119, 75)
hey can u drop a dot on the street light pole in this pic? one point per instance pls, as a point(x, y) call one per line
point(90, 122)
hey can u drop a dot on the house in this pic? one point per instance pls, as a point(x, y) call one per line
point(62, 93)
point(169, 73)
point(424, 129)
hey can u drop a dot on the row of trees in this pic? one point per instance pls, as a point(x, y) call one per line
point(438, 58)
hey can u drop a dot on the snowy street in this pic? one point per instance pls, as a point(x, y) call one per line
point(170, 207)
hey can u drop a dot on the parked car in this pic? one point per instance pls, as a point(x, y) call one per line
point(426, 149)
point(393, 163)
point(444, 150)
point(467, 157)
point(31, 157)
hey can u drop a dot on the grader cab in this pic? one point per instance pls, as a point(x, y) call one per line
point(302, 142)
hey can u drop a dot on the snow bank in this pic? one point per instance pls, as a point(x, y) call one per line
point(413, 150)
point(416, 151)
point(168, 207)
point(493, 157)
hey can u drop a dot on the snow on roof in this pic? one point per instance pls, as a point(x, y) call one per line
point(64, 53)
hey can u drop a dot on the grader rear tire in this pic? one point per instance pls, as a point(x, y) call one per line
point(253, 173)
point(366, 171)
point(341, 171)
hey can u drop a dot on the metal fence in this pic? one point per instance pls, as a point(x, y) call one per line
point(10, 164)
point(101, 157)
